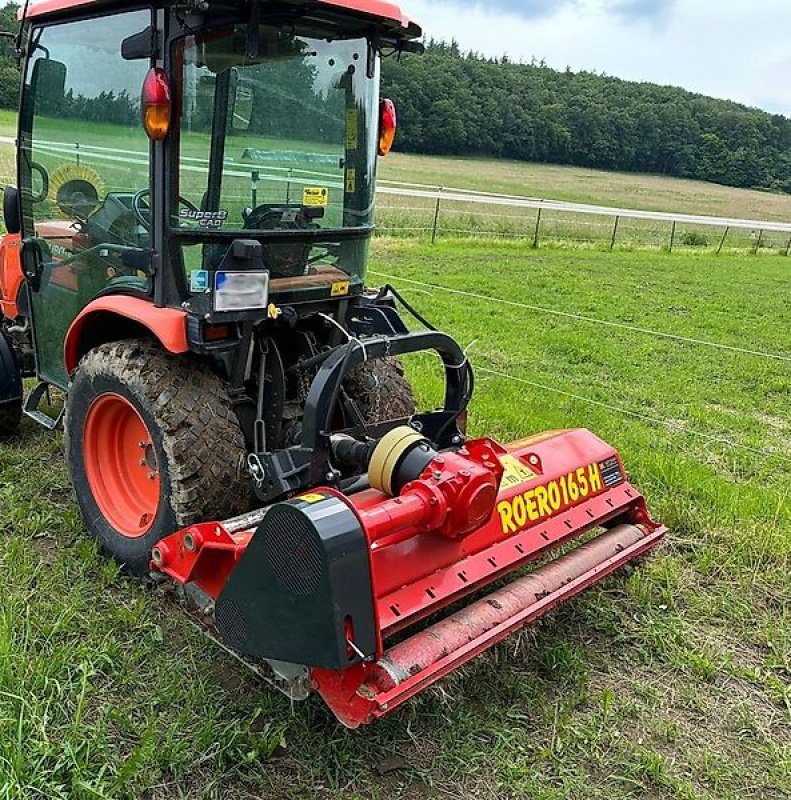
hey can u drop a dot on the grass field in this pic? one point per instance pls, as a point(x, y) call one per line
point(671, 682)
point(578, 185)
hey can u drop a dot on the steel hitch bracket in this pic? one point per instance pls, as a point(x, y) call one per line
point(281, 473)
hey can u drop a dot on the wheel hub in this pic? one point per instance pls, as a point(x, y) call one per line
point(121, 465)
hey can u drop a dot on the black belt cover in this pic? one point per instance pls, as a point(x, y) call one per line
point(302, 589)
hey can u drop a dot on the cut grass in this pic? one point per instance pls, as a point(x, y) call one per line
point(670, 682)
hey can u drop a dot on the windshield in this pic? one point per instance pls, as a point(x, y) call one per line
point(282, 140)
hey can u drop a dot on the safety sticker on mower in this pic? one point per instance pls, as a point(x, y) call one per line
point(516, 473)
point(611, 470)
point(312, 498)
point(313, 197)
point(544, 502)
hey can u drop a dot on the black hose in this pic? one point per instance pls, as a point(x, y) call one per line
point(411, 309)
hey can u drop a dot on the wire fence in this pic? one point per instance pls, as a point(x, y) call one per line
point(431, 213)
point(778, 452)
point(582, 318)
point(422, 211)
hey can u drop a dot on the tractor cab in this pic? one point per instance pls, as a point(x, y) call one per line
point(216, 158)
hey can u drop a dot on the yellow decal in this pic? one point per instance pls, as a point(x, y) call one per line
point(352, 129)
point(311, 498)
point(314, 197)
point(516, 473)
point(351, 180)
point(544, 502)
point(341, 288)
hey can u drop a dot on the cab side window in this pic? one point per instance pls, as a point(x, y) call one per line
point(84, 173)
point(85, 154)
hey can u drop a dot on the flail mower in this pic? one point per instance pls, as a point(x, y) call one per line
point(185, 259)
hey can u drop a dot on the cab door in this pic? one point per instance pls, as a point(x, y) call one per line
point(84, 163)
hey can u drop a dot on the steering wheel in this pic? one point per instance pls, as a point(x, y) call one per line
point(142, 208)
point(290, 259)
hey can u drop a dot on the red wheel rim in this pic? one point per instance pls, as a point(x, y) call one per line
point(121, 465)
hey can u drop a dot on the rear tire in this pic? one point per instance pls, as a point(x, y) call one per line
point(10, 385)
point(381, 391)
point(152, 446)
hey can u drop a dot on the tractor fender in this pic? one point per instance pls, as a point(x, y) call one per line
point(115, 317)
point(10, 376)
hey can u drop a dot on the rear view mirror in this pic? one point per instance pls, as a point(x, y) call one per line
point(11, 216)
point(48, 85)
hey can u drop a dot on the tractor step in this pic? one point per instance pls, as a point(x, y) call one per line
point(33, 402)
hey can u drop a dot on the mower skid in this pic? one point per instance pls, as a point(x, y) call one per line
point(358, 697)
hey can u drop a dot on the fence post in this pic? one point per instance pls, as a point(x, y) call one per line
point(538, 228)
point(788, 248)
point(672, 237)
point(436, 216)
point(614, 233)
point(758, 242)
point(722, 241)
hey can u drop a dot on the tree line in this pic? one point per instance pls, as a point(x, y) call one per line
point(455, 103)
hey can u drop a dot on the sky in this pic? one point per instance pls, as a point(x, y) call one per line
point(725, 48)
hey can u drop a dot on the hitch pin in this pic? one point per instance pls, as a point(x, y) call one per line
point(356, 649)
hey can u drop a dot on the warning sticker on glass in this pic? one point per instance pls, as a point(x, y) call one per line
point(516, 473)
point(199, 281)
point(351, 180)
point(314, 197)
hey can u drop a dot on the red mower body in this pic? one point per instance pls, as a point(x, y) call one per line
point(474, 517)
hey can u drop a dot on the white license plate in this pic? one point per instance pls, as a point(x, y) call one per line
point(241, 291)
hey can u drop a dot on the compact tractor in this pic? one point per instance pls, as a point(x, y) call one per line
point(185, 262)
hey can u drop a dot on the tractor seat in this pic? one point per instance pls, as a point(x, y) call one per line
point(129, 283)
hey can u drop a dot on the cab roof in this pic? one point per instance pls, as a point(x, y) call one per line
point(386, 14)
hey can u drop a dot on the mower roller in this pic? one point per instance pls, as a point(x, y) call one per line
point(237, 419)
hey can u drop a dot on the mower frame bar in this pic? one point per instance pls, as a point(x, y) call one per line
point(360, 706)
